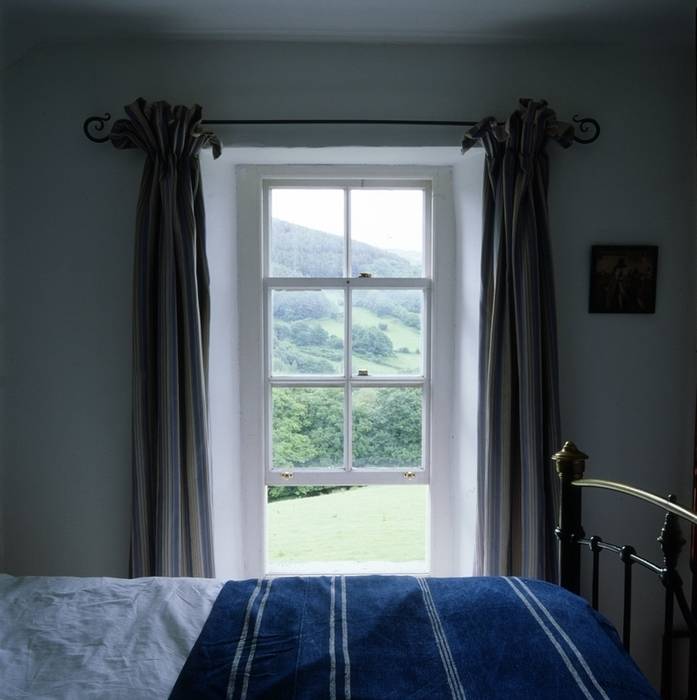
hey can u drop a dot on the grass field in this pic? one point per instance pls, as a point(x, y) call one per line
point(374, 523)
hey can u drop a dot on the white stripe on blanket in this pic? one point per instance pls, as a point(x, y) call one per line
point(344, 641)
point(332, 642)
point(582, 686)
point(458, 692)
point(252, 651)
point(242, 641)
point(566, 638)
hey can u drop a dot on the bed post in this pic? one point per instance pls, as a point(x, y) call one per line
point(571, 464)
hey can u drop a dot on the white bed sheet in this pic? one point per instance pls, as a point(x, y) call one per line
point(84, 638)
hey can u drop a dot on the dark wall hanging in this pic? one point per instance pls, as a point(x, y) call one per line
point(623, 279)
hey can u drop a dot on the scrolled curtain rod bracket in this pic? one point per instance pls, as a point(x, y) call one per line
point(96, 124)
point(586, 124)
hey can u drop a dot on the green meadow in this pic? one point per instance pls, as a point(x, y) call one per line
point(373, 523)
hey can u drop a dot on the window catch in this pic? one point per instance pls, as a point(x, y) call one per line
point(409, 475)
point(287, 475)
point(367, 275)
point(362, 372)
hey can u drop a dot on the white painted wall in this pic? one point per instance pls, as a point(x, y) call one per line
point(627, 382)
point(468, 182)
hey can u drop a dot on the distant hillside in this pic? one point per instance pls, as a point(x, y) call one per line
point(299, 252)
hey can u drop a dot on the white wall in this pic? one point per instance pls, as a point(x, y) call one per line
point(627, 381)
point(468, 180)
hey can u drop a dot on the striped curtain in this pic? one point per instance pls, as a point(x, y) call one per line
point(518, 423)
point(171, 519)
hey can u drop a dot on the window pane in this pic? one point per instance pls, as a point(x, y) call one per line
point(316, 529)
point(387, 232)
point(307, 233)
point(387, 427)
point(308, 332)
point(386, 331)
point(307, 428)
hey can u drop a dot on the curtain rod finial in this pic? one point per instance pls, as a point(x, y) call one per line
point(96, 124)
point(586, 124)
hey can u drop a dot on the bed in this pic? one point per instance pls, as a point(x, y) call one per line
point(309, 637)
point(337, 636)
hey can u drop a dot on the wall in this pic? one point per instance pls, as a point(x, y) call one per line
point(2, 303)
point(627, 381)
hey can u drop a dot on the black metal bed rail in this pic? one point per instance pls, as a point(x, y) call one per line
point(570, 463)
point(628, 557)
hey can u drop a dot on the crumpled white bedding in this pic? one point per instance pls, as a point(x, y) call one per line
point(84, 638)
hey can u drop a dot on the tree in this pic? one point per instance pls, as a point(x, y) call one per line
point(371, 342)
point(308, 427)
point(387, 427)
point(300, 306)
point(289, 359)
point(303, 333)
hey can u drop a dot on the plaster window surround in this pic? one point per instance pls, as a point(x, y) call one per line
point(237, 335)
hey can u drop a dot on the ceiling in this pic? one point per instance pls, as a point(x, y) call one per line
point(665, 22)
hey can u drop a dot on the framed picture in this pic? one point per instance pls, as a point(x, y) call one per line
point(623, 279)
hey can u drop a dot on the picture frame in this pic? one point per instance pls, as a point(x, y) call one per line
point(623, 279)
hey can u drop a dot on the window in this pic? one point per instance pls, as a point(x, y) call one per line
point(345, 290)
point(346, 300)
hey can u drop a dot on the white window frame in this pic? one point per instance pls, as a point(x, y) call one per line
point(437, 434)
point(349, 475)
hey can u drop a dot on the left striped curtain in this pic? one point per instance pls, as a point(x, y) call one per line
point(171, 511)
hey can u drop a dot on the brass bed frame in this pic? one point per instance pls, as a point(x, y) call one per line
point(570, 464)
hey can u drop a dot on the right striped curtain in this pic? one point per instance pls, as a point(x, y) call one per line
point(518, 422)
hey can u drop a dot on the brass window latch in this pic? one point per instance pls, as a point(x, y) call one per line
point(287, 475)
point(409, 475)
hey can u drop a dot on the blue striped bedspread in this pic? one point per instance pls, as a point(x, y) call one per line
point(380, 637)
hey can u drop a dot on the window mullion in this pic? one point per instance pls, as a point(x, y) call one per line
point(348, 430)
point(347, 233)
point(348, 410)
point(348, 426)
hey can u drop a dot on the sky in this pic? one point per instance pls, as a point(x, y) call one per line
point(390, 219)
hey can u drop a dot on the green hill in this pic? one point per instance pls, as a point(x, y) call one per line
point(309, 325)
point(298, 251)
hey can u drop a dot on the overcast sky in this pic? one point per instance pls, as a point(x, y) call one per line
point(385, 218)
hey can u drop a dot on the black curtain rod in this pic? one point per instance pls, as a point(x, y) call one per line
point(587, 126)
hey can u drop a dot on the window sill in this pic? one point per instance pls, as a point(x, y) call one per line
point(330, 568)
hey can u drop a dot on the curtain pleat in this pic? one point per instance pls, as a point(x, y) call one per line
point(518, 419)
point(171, 511)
